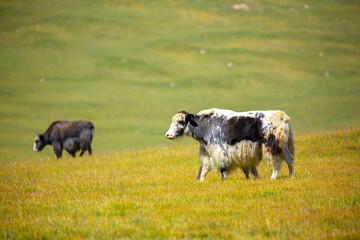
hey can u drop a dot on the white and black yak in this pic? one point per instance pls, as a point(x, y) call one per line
point(230, 140)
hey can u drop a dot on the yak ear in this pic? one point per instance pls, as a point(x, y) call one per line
point(190, 119)
point(41, 137)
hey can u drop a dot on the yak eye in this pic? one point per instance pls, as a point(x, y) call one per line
point(181, 122)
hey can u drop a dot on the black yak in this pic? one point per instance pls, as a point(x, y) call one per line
point(72, 136)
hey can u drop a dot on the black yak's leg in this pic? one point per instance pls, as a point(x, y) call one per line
point(254, 172)
point(89, 150)
point(73, 154)
point(85, 142)
point(246, 171)
point(57, 149)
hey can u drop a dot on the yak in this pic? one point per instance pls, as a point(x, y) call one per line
point(71, 136)
point(230, 140)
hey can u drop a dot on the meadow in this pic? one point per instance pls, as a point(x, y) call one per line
point(129, 66)
point(153, 194)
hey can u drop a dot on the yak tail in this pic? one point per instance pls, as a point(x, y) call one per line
point(291, 143)
point(92, 133)
point(281, 129)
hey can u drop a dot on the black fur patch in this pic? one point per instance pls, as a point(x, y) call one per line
point(273, 145)
point(237, 129)
point(41, 137)
point(180, 132)
point(200, 128)
point(218, 130)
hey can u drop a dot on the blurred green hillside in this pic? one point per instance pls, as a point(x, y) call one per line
point(128, 66)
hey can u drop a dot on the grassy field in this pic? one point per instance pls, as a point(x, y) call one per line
point(153, 194)
point(130, 65)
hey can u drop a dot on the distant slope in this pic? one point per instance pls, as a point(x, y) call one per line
point(153, 193)
point(128, 66)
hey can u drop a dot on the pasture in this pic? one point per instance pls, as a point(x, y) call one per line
point(129, 66)
point(153, 194)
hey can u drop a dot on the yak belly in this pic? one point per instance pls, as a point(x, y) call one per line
point(245, 154)
point(72, 144)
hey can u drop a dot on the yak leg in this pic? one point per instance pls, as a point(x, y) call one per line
point(83, 148)
point(205, 164)
point(57, 149)
point(218, 152)
point(276, 160)
point(246, 171)
point(205, 170)
point(199, 174)
point(73, 154)
point(85, 141)
point(290, 162)
point(89, 149)
point(223, 173)
point(254, 172)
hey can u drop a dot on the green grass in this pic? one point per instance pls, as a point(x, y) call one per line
point(129, 66)
point(153, 194)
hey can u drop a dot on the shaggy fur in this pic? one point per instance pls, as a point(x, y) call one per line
point(230, 140)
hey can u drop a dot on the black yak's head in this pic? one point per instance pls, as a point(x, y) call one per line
point(39, 143)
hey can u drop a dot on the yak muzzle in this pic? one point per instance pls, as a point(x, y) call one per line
point(168, 136)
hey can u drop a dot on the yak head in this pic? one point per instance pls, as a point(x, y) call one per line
point(179, 124)
point(39, 143)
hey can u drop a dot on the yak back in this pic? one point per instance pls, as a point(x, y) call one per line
point(215, 129)
point(61, 130)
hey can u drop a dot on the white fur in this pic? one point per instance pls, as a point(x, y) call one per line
point(175, 126)
point(34, 147)
point(229, 113)
point(170, 134)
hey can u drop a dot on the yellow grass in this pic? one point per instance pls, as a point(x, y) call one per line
point(152, 193)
